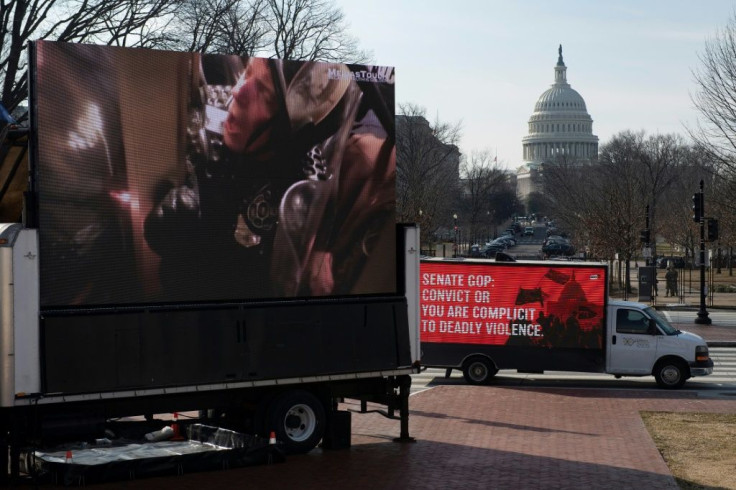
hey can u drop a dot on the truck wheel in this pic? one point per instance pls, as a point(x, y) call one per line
point(298, 419)
point(670, 374)
point(479, 371)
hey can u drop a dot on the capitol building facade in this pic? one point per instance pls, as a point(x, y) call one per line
point(560, 130)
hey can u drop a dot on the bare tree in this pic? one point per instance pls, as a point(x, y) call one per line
point(427, 161)
point(653, 162)
point(721, 206)
point(674, 219)
point(481, 178)
point(111, 22)
point(289, 29)
point(675, 222)
point(716, 98)
point(601, 203)
point(579, 198)
point(504, 203)
point(621, 187)
point(537, 204)
point(567, 194)
point(311, 30)
point(661, 158)
point(219, 26)
point(716, 132)
point(286, 29)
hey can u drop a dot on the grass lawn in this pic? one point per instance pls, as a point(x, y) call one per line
point(699, 448)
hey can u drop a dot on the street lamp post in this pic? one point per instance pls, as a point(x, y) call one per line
point(648, 243)
point(419, 223)
point(491, 219)
point(454, 217)
point(702, 318)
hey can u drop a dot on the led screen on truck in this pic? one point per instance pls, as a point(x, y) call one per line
point(167, 177)
point(512, 304)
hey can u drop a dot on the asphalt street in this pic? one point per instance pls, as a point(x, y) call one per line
point(721, 383)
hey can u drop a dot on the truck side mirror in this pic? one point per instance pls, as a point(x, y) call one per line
point(653, 330)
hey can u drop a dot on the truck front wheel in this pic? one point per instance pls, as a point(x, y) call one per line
point(670, 373)
point(298, 419)
point(479, 371)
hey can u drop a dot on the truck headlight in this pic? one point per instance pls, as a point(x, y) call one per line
point(701, 353)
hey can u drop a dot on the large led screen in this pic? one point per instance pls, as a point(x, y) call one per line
point(503, 304)
point(169, 177)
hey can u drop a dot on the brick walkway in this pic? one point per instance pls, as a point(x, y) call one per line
point(491, 437)
point(482, 437)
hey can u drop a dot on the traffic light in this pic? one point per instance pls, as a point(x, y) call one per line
point(697, 206)
point(644, 236)
point(712, 232)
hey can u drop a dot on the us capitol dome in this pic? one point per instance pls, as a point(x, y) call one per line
point(560, 129)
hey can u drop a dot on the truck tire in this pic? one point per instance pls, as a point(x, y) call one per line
point(479, 371)
point(670, 373)
point(298, 419)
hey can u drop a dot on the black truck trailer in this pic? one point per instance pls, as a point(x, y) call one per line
point(202, 233)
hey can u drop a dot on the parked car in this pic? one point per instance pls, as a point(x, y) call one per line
point(491, 250)
point(678, 262)
point(507, 240)
point(529, 231)
point(556, 232)
point(558, 248)
point(555, 239)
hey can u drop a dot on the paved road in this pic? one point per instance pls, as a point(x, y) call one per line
point(722, 381)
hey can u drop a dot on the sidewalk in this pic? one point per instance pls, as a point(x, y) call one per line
point(480, 437)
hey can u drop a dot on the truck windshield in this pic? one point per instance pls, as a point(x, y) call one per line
point(662, 322)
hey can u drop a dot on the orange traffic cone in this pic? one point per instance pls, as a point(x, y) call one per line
point(69, 456)
point(175, 426)
point(272, 448)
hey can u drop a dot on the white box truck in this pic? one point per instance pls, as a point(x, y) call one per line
point(481, 316)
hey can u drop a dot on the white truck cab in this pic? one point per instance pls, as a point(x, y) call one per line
point(642, 342)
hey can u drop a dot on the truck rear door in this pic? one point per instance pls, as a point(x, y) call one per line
point(632, 347)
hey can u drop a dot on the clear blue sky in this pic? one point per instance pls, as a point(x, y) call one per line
point(484, 63)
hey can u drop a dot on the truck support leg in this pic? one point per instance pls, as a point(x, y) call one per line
point(404, 390)
point(9, 455)
point(14, 437)
point(4, 458)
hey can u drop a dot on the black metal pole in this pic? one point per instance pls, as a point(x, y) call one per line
point(702, 318)
point(649, 261)
point(647, 245)
point(456, 251)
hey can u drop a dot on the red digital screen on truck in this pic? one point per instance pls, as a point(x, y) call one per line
point(515, 304)
point(168, 177)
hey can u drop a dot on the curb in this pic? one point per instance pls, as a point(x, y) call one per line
point(692, 307)
point(720, 343)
